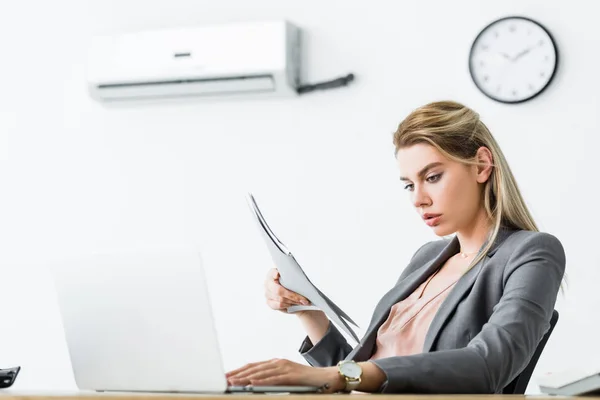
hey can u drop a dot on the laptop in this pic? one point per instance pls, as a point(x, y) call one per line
point(142, 322)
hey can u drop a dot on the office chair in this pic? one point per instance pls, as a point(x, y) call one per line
point(519, 384)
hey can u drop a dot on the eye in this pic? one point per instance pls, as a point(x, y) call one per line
point(408, 187)
point(434, 178)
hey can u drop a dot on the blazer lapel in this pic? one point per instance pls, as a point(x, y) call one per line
point(458, 292)
point(450, 303)
point(399, 292)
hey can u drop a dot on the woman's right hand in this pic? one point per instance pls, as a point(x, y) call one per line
point(278, 297)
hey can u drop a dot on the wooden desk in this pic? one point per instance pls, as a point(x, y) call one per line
point(10, 395)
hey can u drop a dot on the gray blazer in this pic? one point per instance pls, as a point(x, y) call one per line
point(485, 331)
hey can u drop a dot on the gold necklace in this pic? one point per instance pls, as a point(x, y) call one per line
point(465, 255)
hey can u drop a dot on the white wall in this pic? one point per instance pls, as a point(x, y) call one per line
point(76, 176)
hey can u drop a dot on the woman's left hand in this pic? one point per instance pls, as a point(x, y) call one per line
point(277, 372)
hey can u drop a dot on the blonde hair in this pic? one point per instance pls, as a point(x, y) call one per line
point(457, 132)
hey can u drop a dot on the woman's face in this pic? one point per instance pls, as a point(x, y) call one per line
point(445, 193)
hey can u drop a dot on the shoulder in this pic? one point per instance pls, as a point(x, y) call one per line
point(523, 242)
point(528, 248)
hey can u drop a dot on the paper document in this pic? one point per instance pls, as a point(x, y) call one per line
point(570, 382)
point(293, 278)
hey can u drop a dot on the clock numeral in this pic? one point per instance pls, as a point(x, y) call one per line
point(531, 87)
point(496, 34)
point(547, 58)
point(515, 92)
point(484, 47)
point(486, 78)
point(542, 74)
point(512, 29)
point(498, 88)
point(482, 63)
point(541, 43)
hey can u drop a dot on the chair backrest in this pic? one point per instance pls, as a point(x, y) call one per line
point(519, 384)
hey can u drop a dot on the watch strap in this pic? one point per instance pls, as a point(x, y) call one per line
point(351, 384)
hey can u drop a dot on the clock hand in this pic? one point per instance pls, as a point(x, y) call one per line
point(521, 54)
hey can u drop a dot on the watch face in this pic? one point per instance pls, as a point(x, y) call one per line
point(351, 370)
point(513, 59)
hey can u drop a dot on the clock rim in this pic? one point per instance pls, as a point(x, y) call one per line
point(536, 94)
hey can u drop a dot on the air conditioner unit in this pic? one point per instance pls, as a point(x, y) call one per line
point(233, 59)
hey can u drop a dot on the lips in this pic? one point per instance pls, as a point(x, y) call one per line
point(432, 219)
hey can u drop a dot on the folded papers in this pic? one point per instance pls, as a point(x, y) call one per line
point(293, 278)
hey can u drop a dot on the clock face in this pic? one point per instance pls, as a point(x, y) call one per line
point(351, 370)
point(513, 59)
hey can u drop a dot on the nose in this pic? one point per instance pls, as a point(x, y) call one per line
point(419, 197)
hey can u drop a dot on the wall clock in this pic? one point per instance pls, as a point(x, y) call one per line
point(513, 59)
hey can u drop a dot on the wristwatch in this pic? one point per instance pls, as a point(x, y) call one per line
point(351, 372)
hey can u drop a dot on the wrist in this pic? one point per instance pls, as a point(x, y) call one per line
point(313, 314)
point(351, 372)
point(313, 319)
point(335, 381)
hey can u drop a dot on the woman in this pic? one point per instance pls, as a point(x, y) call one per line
point(466, 313)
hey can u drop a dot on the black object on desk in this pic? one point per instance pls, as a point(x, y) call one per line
point(8, 376)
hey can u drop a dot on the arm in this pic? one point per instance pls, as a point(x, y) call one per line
point(328, 351)
point(506, 342)
point(372, 378)
point(315, 323)
point(330, 346)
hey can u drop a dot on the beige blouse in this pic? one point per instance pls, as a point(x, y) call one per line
point(403, 333)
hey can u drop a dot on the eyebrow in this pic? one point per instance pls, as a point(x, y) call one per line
point(424, 171)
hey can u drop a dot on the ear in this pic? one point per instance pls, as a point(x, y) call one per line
point(485, 165)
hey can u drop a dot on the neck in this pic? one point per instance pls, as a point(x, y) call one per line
point(474, 236)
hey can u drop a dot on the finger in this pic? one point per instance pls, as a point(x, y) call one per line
point(247, 367)
point(275, 375)
point(275, 380)
point(290, 296)
point(274, 274)
point(238, 382)
point(275, 287)
point(233, 373)
point(278, 299)
point(244, 368)
point(278, 305)
point(269, 280)
point(272, 287)
point(258, 376)
point(263, 368)
point(273, 292)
